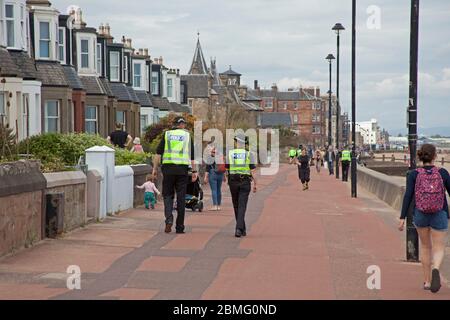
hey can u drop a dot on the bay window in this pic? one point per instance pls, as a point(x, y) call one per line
point(84, 54)
point(137, 75)
point(155, 83)
point(91, 120)
point(10, 32)
point(121, 118)
point(52, 116)
point(114, 65)
point(44, 39)
point(144, 121)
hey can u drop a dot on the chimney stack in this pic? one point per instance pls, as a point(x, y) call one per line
point(128, 43)
point(156, 61)
point(318, 92)
point(274, 87)
point(146, 52)
point(101, 29)
point(160, 60)
point(141, 51)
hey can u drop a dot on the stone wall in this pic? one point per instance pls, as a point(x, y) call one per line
point(73, 185)
point(21, 200)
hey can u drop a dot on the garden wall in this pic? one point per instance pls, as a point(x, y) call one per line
point(21, 201)
point(140, 176)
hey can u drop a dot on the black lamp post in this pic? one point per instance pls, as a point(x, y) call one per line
point(337, 28)
point(330, 58)
point(354, 174)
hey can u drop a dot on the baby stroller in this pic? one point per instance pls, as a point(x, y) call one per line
point(194, 195)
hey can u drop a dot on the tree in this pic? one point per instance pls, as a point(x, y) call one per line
point(7, 143)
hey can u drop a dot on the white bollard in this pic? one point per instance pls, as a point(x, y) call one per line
point(102, 159)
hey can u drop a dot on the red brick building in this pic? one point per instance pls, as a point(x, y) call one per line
point(305, 107)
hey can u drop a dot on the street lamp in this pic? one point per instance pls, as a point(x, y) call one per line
point(354, 177)
point(330, 58)
point(337, 28)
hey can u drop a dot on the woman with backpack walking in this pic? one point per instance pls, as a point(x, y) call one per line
point(427, 187)
point(303, 162)
point(215, 176)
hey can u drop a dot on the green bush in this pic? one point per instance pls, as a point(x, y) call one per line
point(58, 151)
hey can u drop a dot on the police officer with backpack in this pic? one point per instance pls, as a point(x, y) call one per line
point(241, 172)
point(177, 152)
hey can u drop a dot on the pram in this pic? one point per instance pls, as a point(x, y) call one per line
point(194, 195)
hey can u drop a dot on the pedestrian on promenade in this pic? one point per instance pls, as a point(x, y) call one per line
point(346, 158)
point(177, 151)
point(299, 150)
point(215, 176)
point(330, 157)
point(318, 160)
point(304, 169)
point(241, 172)
point(150, 191)
point(119, 138)
point(427, 187)
point(137, 147)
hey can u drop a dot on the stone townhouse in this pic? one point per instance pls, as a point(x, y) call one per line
point(20, 87)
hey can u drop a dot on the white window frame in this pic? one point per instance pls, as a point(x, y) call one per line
point(144, 120)
point(88, 54)
point(46, 117)
point(155, 76)
point(99, 55)
point(169, 93)
point(124, 123)
point(10, 19)
point(268, 103)
point(49, 40)
point(3, 107)
point(316, 131)
point(295, 118)
point(125, 68)
point(62, 44)
point(25, 115)
point(137, 77)
point(111, 66)
point(95, 120)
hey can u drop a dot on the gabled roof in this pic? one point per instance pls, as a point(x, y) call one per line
point(288, 95)
point(121, 92)
point(179, 108)
point(72, 78)
point(106, 86)
point(197, 85)
point(144, 98)
point(274, 119)
point(230, 72)
point(198, 65)
point(7, 64)
point(92, 85)
point(132, 94)
point(51, 73)
point(25, 64)
point(161, 103)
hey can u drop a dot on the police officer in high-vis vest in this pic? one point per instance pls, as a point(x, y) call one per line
point(346, 158)
point(241, 173)
point(176, 150)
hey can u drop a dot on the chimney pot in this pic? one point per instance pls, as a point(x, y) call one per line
point(146, 52)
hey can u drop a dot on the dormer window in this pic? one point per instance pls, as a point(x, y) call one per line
point(137, 75)
point(84, 53)
point(125, 69)
point(99, 58)
point(44, 39)
point(62, 44)
point(114, 65)
point(10, 33)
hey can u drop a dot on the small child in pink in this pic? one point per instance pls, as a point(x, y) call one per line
point(150, 190)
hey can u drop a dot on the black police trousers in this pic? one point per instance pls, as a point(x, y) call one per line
point(240, 191)
point(345, 167)
point(172, 183)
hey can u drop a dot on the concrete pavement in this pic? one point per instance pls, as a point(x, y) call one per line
point(316, 244)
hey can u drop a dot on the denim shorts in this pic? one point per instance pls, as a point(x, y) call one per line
point(437, 221)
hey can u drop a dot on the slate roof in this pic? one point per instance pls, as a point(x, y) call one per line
point(72, 78)
point(198, 65)
point(51, 73)
point(179, 108)
point(92, 85)
point(161, 103)
point(7, 65)
point(133, 95)
point(274, 119)
point(197, 85)
point(25, 64)
point(288, 95)
point(106, 87)
point(120, 91)
point(262, 93)
point(250, 97)
point(144, 98)
point(230, 72)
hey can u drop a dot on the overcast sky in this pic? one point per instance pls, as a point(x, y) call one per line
point(286, 42)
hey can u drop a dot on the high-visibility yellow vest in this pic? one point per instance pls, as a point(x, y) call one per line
point(176, 148)
point(239, 160)
point(346, 155)
point(292, 153)
point(299, 152)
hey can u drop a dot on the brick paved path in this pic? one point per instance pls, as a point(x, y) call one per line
point(300, 245)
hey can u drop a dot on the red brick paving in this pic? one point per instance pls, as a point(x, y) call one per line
point(301, 245)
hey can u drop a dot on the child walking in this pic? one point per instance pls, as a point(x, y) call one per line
point(150, 190)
